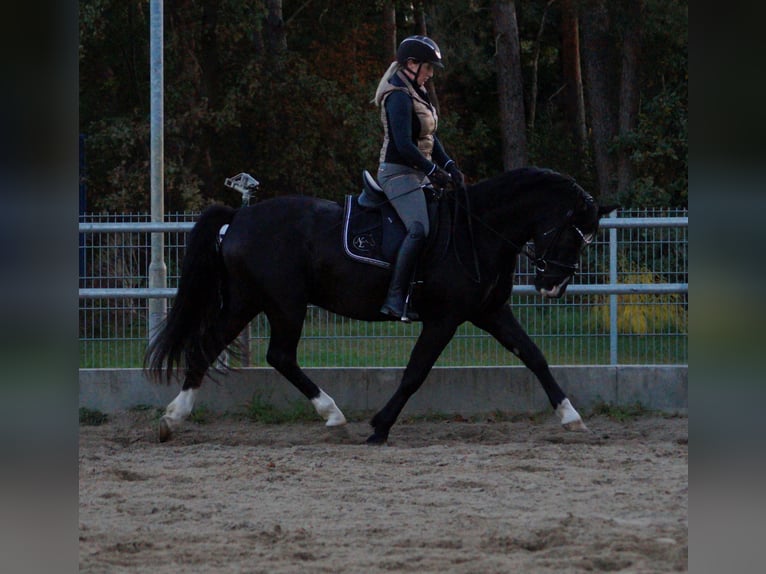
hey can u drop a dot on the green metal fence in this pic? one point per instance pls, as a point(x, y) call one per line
point(628, 305)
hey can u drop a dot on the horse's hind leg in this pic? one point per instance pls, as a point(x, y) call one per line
point(431, 342)
point(198, 364)
point(181, 407)
point(282, 355)
point(504, 327)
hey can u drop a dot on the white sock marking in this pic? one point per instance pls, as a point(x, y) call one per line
point(182, 405)
point(567, 413)
point(328, 410)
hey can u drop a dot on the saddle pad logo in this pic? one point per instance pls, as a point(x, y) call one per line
point(364, 242)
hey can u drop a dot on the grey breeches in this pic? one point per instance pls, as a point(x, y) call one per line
point(401, 185)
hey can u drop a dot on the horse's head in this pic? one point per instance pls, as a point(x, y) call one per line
point(559, 239)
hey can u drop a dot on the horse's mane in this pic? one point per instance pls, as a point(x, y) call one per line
point(526, 178)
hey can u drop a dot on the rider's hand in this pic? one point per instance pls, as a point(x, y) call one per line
point(439, 177)
point(458, 180)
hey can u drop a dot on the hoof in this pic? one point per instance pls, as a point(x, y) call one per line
point(328, 410)
point(570, 418)
point(576, 426)
point(336, 420)
point(164, 430)
point(376, 439)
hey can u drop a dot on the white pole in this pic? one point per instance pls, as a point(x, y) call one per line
point(157, 267)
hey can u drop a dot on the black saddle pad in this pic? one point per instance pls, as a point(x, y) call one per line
point(371, 235)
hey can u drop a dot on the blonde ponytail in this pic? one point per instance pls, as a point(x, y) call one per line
point(384, 83)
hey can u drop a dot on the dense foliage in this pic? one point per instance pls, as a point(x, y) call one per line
point(301, 120)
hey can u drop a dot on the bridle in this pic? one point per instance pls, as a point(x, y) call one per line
point(542, 263)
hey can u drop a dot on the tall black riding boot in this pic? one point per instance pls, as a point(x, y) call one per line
point(402, 274)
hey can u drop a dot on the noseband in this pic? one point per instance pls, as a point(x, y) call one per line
point(542, 263)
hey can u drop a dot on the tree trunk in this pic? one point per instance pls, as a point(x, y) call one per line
point(422, 29)
point(275, 28)
point(535, 61)
point(629, 93)
point(389, 28)
point(600, 69)
point(509, 84)
point(420, 19)
point(211, 89)
point(571, 71)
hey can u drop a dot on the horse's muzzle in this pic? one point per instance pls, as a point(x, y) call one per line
point(554, 292)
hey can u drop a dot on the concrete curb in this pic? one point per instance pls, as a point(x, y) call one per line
point(462, 390)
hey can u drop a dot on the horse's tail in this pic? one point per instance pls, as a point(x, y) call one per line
point(189, 329)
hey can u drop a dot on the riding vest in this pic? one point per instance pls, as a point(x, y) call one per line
point(424, 121)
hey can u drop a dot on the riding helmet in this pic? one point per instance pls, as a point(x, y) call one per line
point(420, 49)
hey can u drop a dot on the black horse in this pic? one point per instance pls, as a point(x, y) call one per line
point(279, 255)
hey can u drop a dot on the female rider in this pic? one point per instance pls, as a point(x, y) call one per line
point(411, 153)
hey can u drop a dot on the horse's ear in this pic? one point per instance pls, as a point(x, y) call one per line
point(606, 209)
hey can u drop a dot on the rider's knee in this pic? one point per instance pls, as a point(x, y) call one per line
point(416, 230)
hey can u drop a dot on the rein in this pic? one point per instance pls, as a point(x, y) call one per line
point(469, 221)
point(541, 263)
point(523, 250)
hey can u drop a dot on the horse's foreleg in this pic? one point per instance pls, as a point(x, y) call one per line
point(429, 346)
point(282, 355)
point(328, 410)
point(504, 327)
point(570, 418)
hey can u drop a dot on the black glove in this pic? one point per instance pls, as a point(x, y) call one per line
point(439, 177)
point(458, 180)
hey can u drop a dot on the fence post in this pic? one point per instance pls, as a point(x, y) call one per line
point(244, 339)
point(83, 207)
point(158, 271)
point(613, 325)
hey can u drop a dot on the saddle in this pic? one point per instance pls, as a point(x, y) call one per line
point(373, 231)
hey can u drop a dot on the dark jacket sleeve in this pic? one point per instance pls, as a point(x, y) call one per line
point(399, 112)
point(438, 154)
